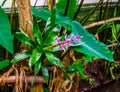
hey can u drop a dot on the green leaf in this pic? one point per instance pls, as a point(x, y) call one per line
point(112, 73)
point(87, 58)
point(51, 36)
point(72, 8)
point(118, 28)
point(103, 27)
point(6, 38)
point(76, 66)
point(24, 38)
point(51, 21)
point(71, 68)
point(51, 31)
point(114, 31)
point(4, 64)
point(35, 57)
point(64, 22)
point(80, 68)
point(46, 89)
point(21, 56)
point(115, 12)
point(45, 73)
point(38, 66)
point(37, 33)
point(42, 13)
point(53, 59)
point(91, 46)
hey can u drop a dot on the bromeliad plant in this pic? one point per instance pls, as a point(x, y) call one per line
point(46, 44)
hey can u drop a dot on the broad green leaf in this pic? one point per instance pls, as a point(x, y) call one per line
point(53, 59)
point(4, 64)
point(21, 56)
point(38, 66)
point(72, 8)
point(42, 13)
point(34, 57)
point(6, 38)
point(64, 22)
point(91, 46)
point(24, 38)
point(45, 73)
point(37, 33)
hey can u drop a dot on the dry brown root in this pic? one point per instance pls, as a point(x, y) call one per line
point(16, 82)
point(77, 82)
point(58, 80)
point(67, 85)
point(52, 76)
point(19, 76)
point(21, 82)
point(67, 89)
point(4, 77)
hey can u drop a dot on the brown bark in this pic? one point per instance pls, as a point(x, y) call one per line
point(25, 16)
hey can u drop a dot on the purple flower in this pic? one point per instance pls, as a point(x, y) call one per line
point(68, 41)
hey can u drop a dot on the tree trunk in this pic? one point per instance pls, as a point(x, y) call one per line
point(24, 12)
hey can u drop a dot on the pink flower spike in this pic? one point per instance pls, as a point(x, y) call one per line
point(68, 41)
point(77, 37)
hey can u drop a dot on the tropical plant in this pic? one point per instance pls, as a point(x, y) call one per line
point(48, 44)
point(61, 33)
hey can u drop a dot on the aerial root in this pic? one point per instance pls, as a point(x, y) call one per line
point(4, 77)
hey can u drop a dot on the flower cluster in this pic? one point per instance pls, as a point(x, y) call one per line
point(68, 41)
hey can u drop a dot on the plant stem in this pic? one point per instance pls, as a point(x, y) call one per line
point(86, 17)
point(101, 22)
point(78, 10)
